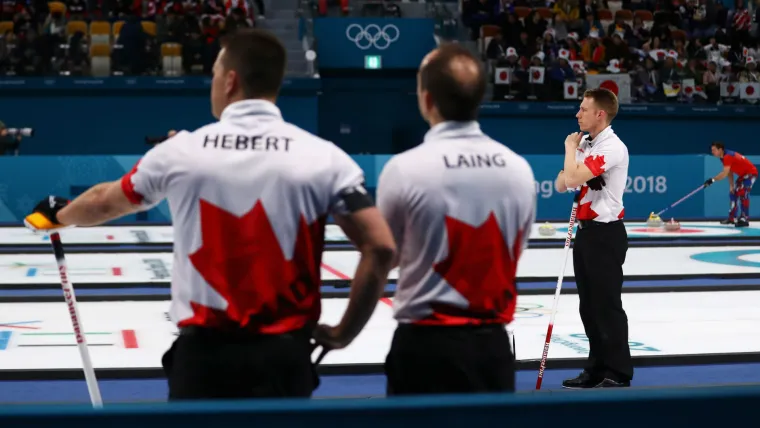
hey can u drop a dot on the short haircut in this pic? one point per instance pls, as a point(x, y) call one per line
point(457, 98)
point(605, 100)
point(719, 145)
point(259, 59)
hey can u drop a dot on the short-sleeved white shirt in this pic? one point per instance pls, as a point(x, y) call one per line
point(460, 207)
point(605, 155)
point(249, 196)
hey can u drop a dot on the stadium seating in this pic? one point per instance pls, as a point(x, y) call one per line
point(648, 30)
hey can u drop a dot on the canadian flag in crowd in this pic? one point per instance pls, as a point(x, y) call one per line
point(618, 83)
point(729, 89)
point(536, 75)
point(749, 90)
point(690, 89)
point(571, 90)
point(502, 76)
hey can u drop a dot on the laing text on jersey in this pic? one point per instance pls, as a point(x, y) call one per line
point(474, 161)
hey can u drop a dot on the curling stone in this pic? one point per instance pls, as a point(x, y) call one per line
point(547, 230)
point(654, 220)
point(672, 226)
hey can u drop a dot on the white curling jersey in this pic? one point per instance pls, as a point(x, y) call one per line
point(461, 207)
point(605, 155)
point(249, 196)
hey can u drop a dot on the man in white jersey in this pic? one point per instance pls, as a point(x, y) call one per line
point(598, 164)
point(249, 197)
point(460, 206)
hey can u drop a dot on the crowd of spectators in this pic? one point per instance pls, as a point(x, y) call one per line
point(41, 38)
point(662, 45)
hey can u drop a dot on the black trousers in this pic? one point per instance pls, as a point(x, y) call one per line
point(598, 256)
point(209, 364)
point(440, 360)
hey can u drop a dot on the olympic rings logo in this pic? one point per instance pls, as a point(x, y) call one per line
point(530, 310)
point(372, 36)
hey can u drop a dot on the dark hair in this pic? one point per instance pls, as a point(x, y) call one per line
point(605, 100)
point(719, 145)
point(456, 99)
point(259, 59)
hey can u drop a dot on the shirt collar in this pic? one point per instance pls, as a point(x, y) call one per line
point(450, 129)
point(244, 108)
point(606, 132)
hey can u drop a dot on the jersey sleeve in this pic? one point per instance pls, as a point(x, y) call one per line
point(145, 184)
point(348, 193)
point(390, 199)
point(603, 159)
point(728, 160)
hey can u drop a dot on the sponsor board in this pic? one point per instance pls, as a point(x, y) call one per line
point(132, 268)
point(661, 324)
point(136, 235)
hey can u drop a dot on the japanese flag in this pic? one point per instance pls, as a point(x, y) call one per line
point(571, 90)
point(749, 90)
point(690, 89)
point(502, 76)
point(618, 83)
point(536, 75)
point(729, 89)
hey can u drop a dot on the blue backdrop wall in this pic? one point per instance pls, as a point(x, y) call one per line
point(654, 183)
point(368, 114)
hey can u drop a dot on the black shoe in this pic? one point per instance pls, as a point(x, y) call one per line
point(584, 380)
point(728, 221)
point(742, 223)
point(609, 383)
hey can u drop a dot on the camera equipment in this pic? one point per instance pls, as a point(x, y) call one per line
point(155, 140)
point(23, 132)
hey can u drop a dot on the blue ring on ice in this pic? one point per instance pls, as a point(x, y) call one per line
point(730, 258)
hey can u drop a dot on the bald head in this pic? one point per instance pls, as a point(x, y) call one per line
point(454, 81)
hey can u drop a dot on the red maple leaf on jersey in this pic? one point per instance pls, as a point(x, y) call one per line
point(584, 210)
point(479, 266)
point(241, 258)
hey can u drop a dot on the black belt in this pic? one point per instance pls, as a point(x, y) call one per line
point(232, 333)
point(585, 224)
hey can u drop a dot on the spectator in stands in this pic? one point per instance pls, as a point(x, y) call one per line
point(617, 48)
point(236, 19)
point(589, 8)
point(567, 15)
point(592, 23)
point(593, 53)
point(693, 71)
point(535, 25)
point(561, 72)
point(6, 46)
point(193, 53)
point(668, 73)
point(572, 46)
point(702, 19)
point(133, 40)
point(511, 27)
point(476, 13)
point(76, 60)
point(646, 80)
point(548, 45)
point(524, 46)
point(638, 33)
point(497, 48)
point(740, 22)
point(750, 73)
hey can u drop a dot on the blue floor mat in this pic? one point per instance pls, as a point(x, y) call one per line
point(29, 392)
